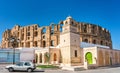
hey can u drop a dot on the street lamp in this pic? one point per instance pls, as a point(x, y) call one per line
point(14, 42)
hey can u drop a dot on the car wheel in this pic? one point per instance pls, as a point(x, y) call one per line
point(29, 70)
point(10, 69)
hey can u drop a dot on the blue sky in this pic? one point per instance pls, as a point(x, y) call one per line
point(105, 13)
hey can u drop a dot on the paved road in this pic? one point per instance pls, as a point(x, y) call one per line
point(99, 70)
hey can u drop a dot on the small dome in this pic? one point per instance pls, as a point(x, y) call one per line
point(69, 17)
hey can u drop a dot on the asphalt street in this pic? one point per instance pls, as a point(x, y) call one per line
point(99, 70)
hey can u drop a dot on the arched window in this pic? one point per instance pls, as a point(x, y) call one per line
point(75, 53)
point(55, 57)
point(44, 30)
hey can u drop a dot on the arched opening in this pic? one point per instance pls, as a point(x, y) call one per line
point(75, 53)
point(88, 57)
point(86, 40)
point(44, 30)
point(61, 25)
point(52, 28)
point(106, 44)
point(66, 23)
point(28, 44)
point(40, 57)
point(101, 42)
point(44, 44)
point(85, 28)
point(35, 44)
point(94, 41)
point(93, 29)
point(55, 57)
point(36, 58)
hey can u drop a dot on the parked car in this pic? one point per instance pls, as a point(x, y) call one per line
point(21, 66)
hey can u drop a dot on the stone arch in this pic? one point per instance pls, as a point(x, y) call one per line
point(85, 40)
point(93, 29)
point(66, 22)
point(43, 30)
point(101, 59)
point(40, 57)
point(88, 57)
point(60, 29)
point(94, 42)
point(55, 57)
point(85, 28)
point(44, 43)
point(101, 42)
point(106, 44)
point(52, 28)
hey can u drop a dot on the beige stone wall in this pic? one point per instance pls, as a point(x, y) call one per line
point(108, 57)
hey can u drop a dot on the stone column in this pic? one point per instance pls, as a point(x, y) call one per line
point(43, 58)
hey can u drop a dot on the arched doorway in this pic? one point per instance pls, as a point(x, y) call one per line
point(55, 57)
point(40, 57)
point(88, 57)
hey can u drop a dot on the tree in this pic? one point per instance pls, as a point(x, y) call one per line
point(47, 55)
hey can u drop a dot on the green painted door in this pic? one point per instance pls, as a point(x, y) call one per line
point(88, 57)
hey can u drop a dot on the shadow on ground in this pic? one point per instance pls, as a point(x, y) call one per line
point(32, 71)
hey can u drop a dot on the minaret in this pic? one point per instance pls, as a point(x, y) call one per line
point(70, 43)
